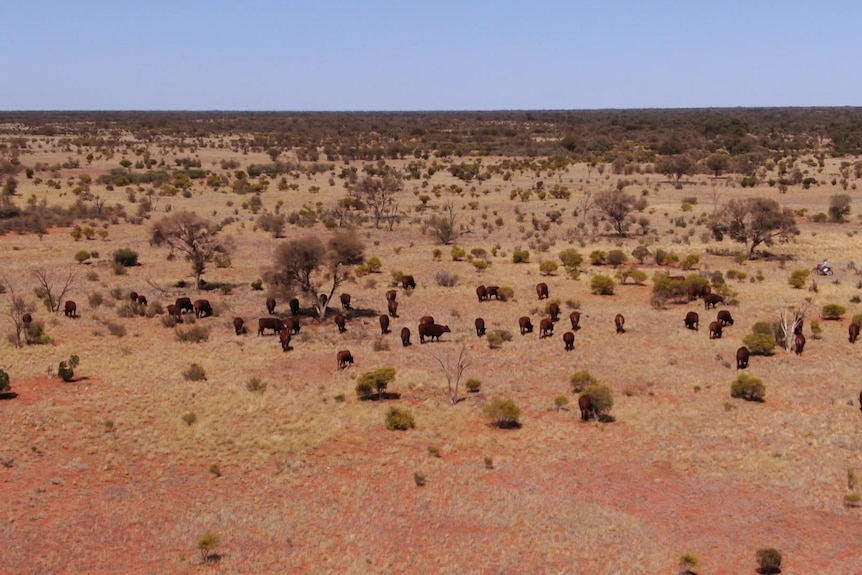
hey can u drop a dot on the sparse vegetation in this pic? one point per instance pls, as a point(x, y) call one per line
point(399, 419)
point(748, 387)
point(503, 413)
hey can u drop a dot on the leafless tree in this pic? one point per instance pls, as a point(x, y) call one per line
point(47, 288)
point(377, 194)
point(442, 225)
point(453, 368)
point(789, 320)
point(17, 309)
point(195, 237)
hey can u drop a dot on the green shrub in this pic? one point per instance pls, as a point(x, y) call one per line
point(374, 265)
point(799, 278)
point(571, 259)
point(257, 285)
point(207, 544)
point(82, 256)
point(66, 369)
point(616, 258)
point(400, 419)
point(832, 311)
point(481, 265)
point(506, 293)
point(748, 387)
point(602, 285)
point(760, 343)
point(521, 256)
point(189, 418)
point(641, 253)
point(126, 257)
point(687, 562)
point(763, 327)
point(458, 253)
point(35, 334)
point(4, 382)
point(95, 299)
point(581, 380)
point(601, 398)
point(690, 262)
point(473, 385)
point(769, 560)
point(495, 340)
point(192, 334)
point(560, 402)
point(194, 372)
point(598, 257)
point(857, 319)
point(375, 381)
point(637, 276)
point(548, 267)
point(503, 413)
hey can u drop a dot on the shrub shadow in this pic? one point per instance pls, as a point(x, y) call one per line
point(8, 395)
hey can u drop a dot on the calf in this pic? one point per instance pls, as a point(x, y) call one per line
point(175, 311)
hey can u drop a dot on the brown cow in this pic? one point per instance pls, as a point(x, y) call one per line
point(711, 299)
point(270, 305)
point(542, 290)
point(715, 330)
point(525, 325)
point(384, 324)
point(586, 407)
point(292, 324)
point(480, 327)
point(284, 339)
point(554, 311)
point(175, 311)
point(341, 322)
point(238, 325)
point(493, 291)
point(546, 327)
point(133, 295)
point(742, 355)
point(203, 308)
point(620, 322)
point(692, 320)
point(345, 300)
point(26, 319)
point(142, 300)
point(273, 323)
point(575, 318)
point(482, 293)
point(293, 304)
point(798, 327)
point(432, 330)
point(71, 309)
point(407, 282)
point(393, 308)
point(569, 340)
point(853, 331)
point(725, 318)
point(185, 304)
point(426, 319)
point(344, 358)
point(405, 336)
point(860, 400)
point(799, 343)
point(391, 295)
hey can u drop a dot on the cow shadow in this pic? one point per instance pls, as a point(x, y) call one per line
point(8, 395)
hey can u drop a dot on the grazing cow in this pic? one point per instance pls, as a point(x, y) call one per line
point(273, 323)
point(341, 322)
point(407, 282)
point(238, 325)
point(142, 300)
point(293, 304)
point(203, 308)
point(569, 340)
point(696, 291)
point(860, 400)
point(26, 319)
point(798, 327)
point(620, 322)
point(554, 311)
point(292, 324)
point(133, 296)
point(692, 320)
point(284, 339)
point(270, 305)
point(482, 293)
point(715, 330)
point(345, 358)
point(391, 295)
point(384, 324)
point(426, 319)
point(71, 309)
point(799, 343)
point(575, 318)
point(432, 330)
point(393, 308)
point(345, 300)
point(525, 325)
point(742, 355)
point(542, 290)
point(185, 304)
point(725, 318)
point(546, 327)
point(405, 336)
point(493, 291)
point(175, 311)
point(480, 327)
point(853, 331)
point(586, 407)
point(711, 299)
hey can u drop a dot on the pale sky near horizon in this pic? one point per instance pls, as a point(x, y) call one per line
point(434, 55)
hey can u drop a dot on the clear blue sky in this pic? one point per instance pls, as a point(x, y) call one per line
point(432, 55)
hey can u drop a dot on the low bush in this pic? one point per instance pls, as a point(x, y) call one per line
point(375, 381)
point(126, 257)
point(399, 419)
point(760, 343)
point(582, 379)
point(769, 560)
point(506, 293)
point(601, 398)
point(189, 417)
point(798, 278)
point(748, 388)
point(521, 256)
point(616, 258)
point(115, 329)
point(832, 311)
point(495, 340)
point(66, 369)
point(194, 372)
point(4, 382)
point(445, 278)
point(192, 334)
point(35, 334)
point(602, 285)
point(548, 267)
point(255, 384)
point(473, 385)
point(503, 413)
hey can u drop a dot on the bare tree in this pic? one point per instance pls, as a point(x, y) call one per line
point(789, 320)
point(377, 194)
point(442, 225)
point(453, 368)
point(616, 205)
point(194, 236)
point(18, 308)
point(46, 290)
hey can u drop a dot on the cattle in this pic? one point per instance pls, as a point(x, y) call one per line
point(270, 305)
point(384, 324)
point(345, 300)
point(391, 295)
point(797, 329)
point(715, 330)
point(133, 296)
point(569, 340)
point(575, 318)
point(698, 290)
point(860, 400)
point(692, 320)
point(742, 355)
point(26, 319)
point(238, 325)
point(542, 290)
point(493, 291)
point(725, 318)
point(273, 323)
point(525, 325)
point(407, 282)
point(554, 311)
point(142, 300)
point(405, 336)
point(292, 324)
point(293, 304)
point(798, 344)
point(546, 327)
point(482, 293)
point(341, 322)
point(426, 319)
point(620, 322)
point(70, 309)
point(711, 299)
point(853, 331)
point(585, 404)
point(480, 327)
point(432, 331)
point(392, 306)
point(284, 339)
point(203, 308)
point(345, 358)
point(175, 311)
point(185, 304)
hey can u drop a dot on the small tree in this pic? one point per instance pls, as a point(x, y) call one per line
point(503, 413)
point(839, 207)
point(377, 380)
point(47, 290)
point(748, 388)
point(616, 257)
point(442, 226)
point(602, 285)
point(616, 205)
point(754, 221)
point(548, 267)
point(192, 235)
point(453, 368)
point(571, 260)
